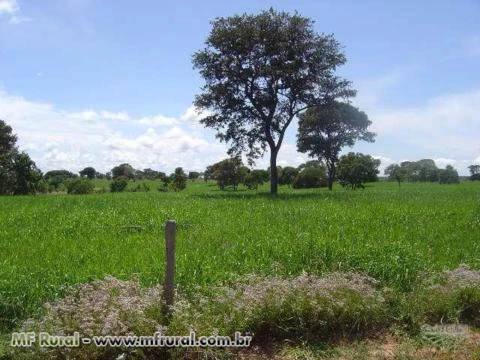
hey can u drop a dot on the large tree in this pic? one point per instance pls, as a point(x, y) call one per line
point(89, 172)
point(261, 71)
point(18, 173)
point(324, 130)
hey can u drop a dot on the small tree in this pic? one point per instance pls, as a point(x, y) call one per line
point(229, 172)
point(138, 175)
point(125, 170)
point(179, 179)
point(324, 130)
point(288, 175)
point(448, 175)
point(355, 169)
point(193, 175)
point(474, 172)
point(260, 72)
point(57, 178)
point(311, 177)
point(151, 174)
point(89, 172)
point(427, 170)
point(254, 178)
point(396, 172)
point(312, 174)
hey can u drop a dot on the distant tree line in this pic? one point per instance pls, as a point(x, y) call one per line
point(354, 169)
point(424, 170)
point(320, 138)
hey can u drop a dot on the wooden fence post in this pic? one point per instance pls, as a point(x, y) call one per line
point(168, 286)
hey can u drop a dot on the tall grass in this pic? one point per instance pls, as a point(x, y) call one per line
point(396, 235)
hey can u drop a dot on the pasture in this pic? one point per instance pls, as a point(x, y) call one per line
point(396, 235)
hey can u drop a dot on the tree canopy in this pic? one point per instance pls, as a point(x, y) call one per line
point(179, 179)
point(125, 170)
point(448, 175)
point(89, 172)
point(228, 172)
point(474, 172)
point(424, 170)
point(324, 130)
point(396, 172)
point(18, 173)
point(355, 169)
point(260, 72)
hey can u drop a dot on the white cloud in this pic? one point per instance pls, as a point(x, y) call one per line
point(384, 162)
point(19, 19)
point(445, 129)
point(9, 7)
point(94, 116)
point(194, 114)
point(158, 120)
point(56, 138)
point(442, 162)
point(370, 90)
point(447, 123)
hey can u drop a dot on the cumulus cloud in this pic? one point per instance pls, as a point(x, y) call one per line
point(444, 128)
point(93, 116)
point(447, 124)
point(158, 120)
point(372, 89)
point(442, 162)
point(11, 9)
point(56, 138)
point(194, 114)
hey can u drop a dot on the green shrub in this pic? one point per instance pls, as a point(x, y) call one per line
point(103, 307)
point(80, 186)
point(143, 187)
point(310, 177)
point(118, 184)
point(179, 180)
point(306, 307)
point(453, 298)
point(42, 187)
point(448, 175)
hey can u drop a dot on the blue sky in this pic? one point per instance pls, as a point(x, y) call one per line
point(90, 82)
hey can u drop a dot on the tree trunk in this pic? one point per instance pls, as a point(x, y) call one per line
point(273, 172)
point(330, 181)
point(331, 176)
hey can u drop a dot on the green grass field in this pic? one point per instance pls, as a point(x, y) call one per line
point(397, 235)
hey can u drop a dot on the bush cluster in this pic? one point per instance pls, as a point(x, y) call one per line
point(305, 308)
point(80, 186)
point(118, 184)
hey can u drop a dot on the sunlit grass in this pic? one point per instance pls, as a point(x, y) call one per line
point(396, 235)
